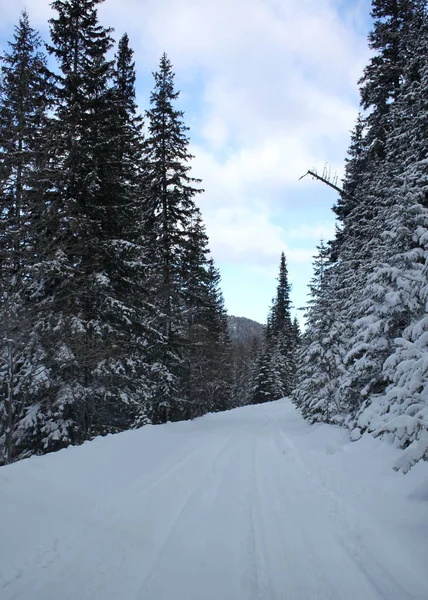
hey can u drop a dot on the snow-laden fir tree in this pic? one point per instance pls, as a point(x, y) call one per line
point(274, 375)
point(398, 284)
point(206, 375)
point(382, 77)
point(375, 286)
point(87, 317)
point(178, 241)
point(112, 313)
point(126, 262)
point(266, 379)
point(281, 330)
point(380, 309)
point(320, 358)
point(24, 93)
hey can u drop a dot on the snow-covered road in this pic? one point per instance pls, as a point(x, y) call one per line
point(244, 505)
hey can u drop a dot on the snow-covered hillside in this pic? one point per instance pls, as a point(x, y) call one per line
point(243, 505)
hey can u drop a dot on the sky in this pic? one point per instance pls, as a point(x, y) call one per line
point(269, 90)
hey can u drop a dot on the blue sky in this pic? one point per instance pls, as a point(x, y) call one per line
point(269, 88)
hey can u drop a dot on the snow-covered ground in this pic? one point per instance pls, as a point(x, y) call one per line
point(244, 505)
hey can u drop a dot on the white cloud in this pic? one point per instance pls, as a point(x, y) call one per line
point(269, 87)
point(239, 235)
point(242, 236)
point(38, 10)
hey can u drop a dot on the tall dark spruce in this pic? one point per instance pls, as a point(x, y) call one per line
point(274, 375)
point(126, 250)
point(396, 293)
point(86, 314)
point(184, 298)
point(206, 372)
point(24, 93)
point(112, 313)
point(320, 361)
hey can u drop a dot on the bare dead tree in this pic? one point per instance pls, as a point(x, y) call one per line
point(328, 179)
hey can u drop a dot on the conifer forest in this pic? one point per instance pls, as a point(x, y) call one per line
point(112, 315)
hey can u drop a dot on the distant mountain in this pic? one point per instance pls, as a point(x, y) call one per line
point(243, 330)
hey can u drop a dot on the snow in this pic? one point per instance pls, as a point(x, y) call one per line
point(250, 504)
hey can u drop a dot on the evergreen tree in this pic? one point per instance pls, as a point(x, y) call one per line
point(275, 370)
point(219, 350)
point(170, 193)
point(24, 93)
point(111, 307)
point(208, 353)
point(296, 334)
point(374, 291)
point(374, 320)
point(383, 75)
point(126, 250)
point(84, 321)
point(266, 381)
point(362, 208)
point(320, 361)
point(244, 362)
point(356, 165)
point(396, 329)
point(281, 330)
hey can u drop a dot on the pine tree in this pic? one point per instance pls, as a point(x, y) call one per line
point(362, 207)
point(320, 361)
point(374, 320)
point(383, 75)
point(364, 361)
point(281, 330)
point(111, 307)
point(170, 194)
point(374, 289)
point(218, 348)
point(274, 376)
point(296, 332)
point(84, 321)
point(24, 93)
point(266, 380)
point(356, 165)
point(399, 406)
point(244, 361)
point(126, 250)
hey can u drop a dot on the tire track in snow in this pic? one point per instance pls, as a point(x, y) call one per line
point(200, 486)
point(109, 525)
point(359, 537)
point(95, 520)
point(209, 504)
point(245, 505)
point(255, 525)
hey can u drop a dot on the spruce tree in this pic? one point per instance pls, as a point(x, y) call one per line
point(84, 320)
point(275, 370)
point(374, 293)
point(126, 249)
point(374, 321)
point(356, 164)
point(24, 93)
point(218, 352)
point(281, 330)
point(320, 360)
point(383, 75)
point(266, 380)
point(399, 404)
point(170, 208)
